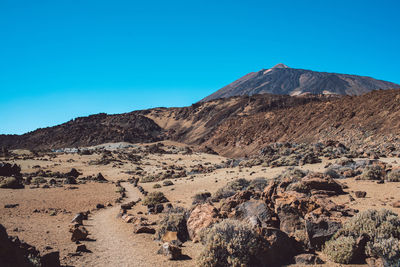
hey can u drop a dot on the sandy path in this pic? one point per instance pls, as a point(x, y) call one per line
point(115, 243)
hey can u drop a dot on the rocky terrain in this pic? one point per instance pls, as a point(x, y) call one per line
point(166, 204)
point(86, 131)
point(236, 126)
point(283, 80)
point(260, 180)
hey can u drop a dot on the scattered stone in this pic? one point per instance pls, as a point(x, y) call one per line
point(81, 248)
point(360, 194)
point(396, 204)
point(10, 206)
point(79, 233)
point(141, 229)
point(171, 251)
point(100, 206)
point(51, 259)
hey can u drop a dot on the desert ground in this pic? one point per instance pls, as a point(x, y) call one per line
point(41, 213)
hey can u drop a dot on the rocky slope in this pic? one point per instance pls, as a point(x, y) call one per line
point(86, 131)
point(236, 126)
point(372, 119)
point(284, 80)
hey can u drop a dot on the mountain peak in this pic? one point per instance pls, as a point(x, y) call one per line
point(280, 66)
point(282, 80)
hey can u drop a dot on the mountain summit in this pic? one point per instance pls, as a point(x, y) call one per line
point(283, 80)
point(280, 66)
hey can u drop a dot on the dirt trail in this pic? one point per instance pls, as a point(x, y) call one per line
point(115, 244)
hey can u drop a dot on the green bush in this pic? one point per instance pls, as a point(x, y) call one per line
point(393, 176)
point(231, 243)
point(382, 228)
point(154, 198)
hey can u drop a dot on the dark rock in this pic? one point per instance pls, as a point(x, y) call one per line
point(7, 169)
point(159, 208)
point(360, 194)
point(280, 248)
point(359, 250)
point(14, 252)
point(10, 206)
point(73, 173)
point(100, 178)
point(320, 229)
point(78, 233)
point(70, 180)
point(51, 259)
point(141, 229)
point(82, 248)
point(100, 206)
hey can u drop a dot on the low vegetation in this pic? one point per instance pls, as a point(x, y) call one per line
point(381, 229)
point(231, 188)
point(154, 198)
point(393, 176)
point(231, 243)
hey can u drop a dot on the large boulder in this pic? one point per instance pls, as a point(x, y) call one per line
point(256, 211)
point(14, 252)
point(280, 248)
point(73, 173)
point(7, 169)
point(320, 229)
point(201, 217)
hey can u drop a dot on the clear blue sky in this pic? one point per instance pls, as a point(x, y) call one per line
point(63, 59)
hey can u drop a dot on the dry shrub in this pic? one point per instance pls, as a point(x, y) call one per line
point(231, 243)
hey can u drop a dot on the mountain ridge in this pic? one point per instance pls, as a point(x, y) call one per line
point(282, 79)
point(235, 126)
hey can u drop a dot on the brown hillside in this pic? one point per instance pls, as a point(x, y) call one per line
point(354, 120)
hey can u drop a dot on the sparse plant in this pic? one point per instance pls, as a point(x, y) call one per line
point(231, 188)
point(231, 243)
point(382, 229)
point(373, 172)
point(148, 179)
point(258, 184)
point(167, 183)
point(154, 198)
point(393, 176)
point(39, 180)
point(341, 250)
point(155, 186)
point(174, 221)
point(201, 197)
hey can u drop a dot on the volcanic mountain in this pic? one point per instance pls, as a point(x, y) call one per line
point(283, 80)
